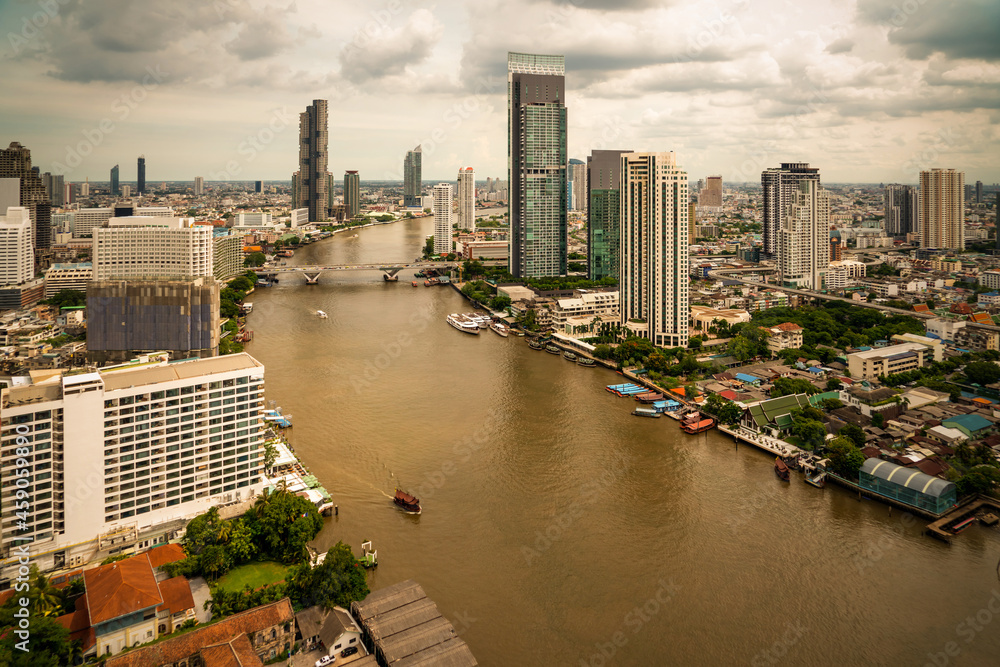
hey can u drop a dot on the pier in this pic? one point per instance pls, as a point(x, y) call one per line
point(763, 442)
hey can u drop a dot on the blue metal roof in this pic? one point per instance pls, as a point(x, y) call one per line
point(815, 369)
point(743, 377)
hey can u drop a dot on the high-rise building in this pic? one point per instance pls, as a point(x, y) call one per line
point(692, 222)
point(900, 209)
point(55, 188)
point(942, 209)
point(115, 187)
point(836, 249)
point(352, 193)
point(536, 163)
point(227, 256)
point(313, 176)
point(199, 186)
point(258, 186)
point(577, 195)
point(804, 237)
point(466, 217)
point(604, 168)
point(442, 217)
point(17, 259)
point(24, 187)
point(412, 177)
point(711, 196)
point(140, 187)
point(778, 184)
point(126, 191)
point(85, 188)
point(979, 192)
point(653, 264)
point(102, 478)
point(148, 247)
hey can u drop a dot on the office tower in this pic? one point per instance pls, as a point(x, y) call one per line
point(900, 209)
point(603, 182)
point(20, 185)
point(466, 217)
point(653, 264)
point(942, 209)
point(85, 188)
point(352, 193)
point(151, 247)
point(67, 193)
point(412, 175)
point(100, 481)
point(258, 186)
point(536, 163)
point(577, 171)
point(711, 196)
point(55, 188)
point(140, 187)
point(979, 192)
point(836, 249)
point(199, 186)
point(126, 191)
point(489, 184)
point(115, 188)
point(804, 237)
point(17, 258)
point(313, 177)
point(442, 217)
point(778, 184)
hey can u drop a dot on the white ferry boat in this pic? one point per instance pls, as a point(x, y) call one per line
point(482, 321)
point(321, 314)
point(463, 323)
point(500, 328)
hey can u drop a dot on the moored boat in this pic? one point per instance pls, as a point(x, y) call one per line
point(535, 345)
point(646, 412)
point(410, 504)
point(552, 349)
point(649, 397)
point(569, 356)
point(780, 469)
point(321, 314)
point(697, 426)
point(817, 479)
point(463, 324)
point(500, 329)
point(415, 284)
point(586, 362)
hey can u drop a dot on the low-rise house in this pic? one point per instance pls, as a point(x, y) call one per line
point(945, 435)
point(787, 335)
point(972, 425)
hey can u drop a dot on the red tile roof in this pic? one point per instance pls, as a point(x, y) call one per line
point(120, 588)
point(729, 394)
point(981, 318)
point(235, 653)
point(176, 594)
point(920, 308)
point(165, 553)
point(78, 624)
point(186, 645)
point(788, 326)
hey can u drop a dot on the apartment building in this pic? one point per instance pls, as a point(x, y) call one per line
point(152, 247)
point(887, 360)
point(60, 277)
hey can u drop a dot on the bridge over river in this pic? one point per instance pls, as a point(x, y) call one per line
point(388, 269)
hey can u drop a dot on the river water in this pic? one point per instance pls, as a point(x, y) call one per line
point(560, 530)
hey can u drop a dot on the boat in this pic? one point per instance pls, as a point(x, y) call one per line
point(427, 283)
point(649, 397)
point(552, 349)
point(780, 469)
point(321, 314)
point(646, 412)
point(414, 283)
point(586, 362)
point(817, 479)
point(432, 281)
point(500, 328)
point(355, 236)
point(247, 308)
point(518, 333)
point(463, 324)
point(569, 356)
point(697, 426)
point(285, 253)
point(410, 504)
point(535, 345)
point(482, 321)
point(418, 274)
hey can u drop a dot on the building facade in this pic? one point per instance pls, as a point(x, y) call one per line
point(412, 177)
point(442, 218)
point(67, 276)
point(313, 176)
point(942, 209)
point(804, 237)
point(227, 256)
point(900, 203)
point(17, 257)
point(140, 184)
point(352, 193)
point(145, 247)
point(777, 186)
point(887, 360)
point(711, 195)
point(29, 192)
point(536, 162)
point(603, 213)
point(199, 186)
point(116, 189)
point(653, 265)
point(577, 173)
point(466, 214)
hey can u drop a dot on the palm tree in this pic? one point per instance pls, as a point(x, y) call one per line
point(48, 599)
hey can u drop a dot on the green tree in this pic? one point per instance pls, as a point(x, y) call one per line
point(690, 391)
point(811, 433)
point(853, 433)
point(982, 372)
point(255, 259)
point(877, 419)
point(270, 454)
point(695, 342)
point(242, 546)
point(286, 525)
point(833, 384)
point(241, 284)
point(831, 404)
point(845, 458)
point(67, 298)
point(602, 351)
point(786, 386)
point(500, 302)
point(981, 479)
point(338, 581)
point(49, 643)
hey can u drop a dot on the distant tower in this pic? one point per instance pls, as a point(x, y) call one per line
point(140, 187)
point(85, 188)
point(115, 188)
point(778, 184)
point(900, 203)
point(711, 196)
point(466, 218)
point(258, 186)
point(412, 177)
point(979, 192)
point(313, 177)
point(17, 264)
point(352, 193)
point(199, 186)
point(442, 218)
point(603, 213)
point(942, 209)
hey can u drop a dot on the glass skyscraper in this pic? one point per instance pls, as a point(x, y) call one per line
point(603, 213)
point(412, 177)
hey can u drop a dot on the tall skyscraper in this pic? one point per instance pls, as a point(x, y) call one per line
point(27, 189)
point(942, 209)
point(85, 188)
point(115, 187)
point(466, 218)
point(979, 192)
point(778, 184)
point(711, 196)
point(55, 187)
point(352, 193)
point(604, 168)
point(140, 187)
point(412, 177)
point(536, 164)
point(442, 217)
point(577, 198)
point(900, 209)
point(804, 237)
point(258, 186)
point(199, 186)
point(653, 264)
point(313, 177)
point(17, 260)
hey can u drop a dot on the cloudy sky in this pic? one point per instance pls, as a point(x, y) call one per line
point(868, 90)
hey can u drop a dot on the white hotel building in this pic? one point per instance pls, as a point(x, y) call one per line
point(147, 247)
point(17, 257)
point(120, 458)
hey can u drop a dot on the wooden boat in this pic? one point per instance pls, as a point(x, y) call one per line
point(414, 283)
point(649, 397)
point(780, 469)
point(410, 504)
point(569, 356)
point(586, 362)
point(698, 426)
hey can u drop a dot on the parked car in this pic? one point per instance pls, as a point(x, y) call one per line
point(326, 660)
point(350, 650)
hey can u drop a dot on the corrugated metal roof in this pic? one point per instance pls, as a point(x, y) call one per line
point(906, 477)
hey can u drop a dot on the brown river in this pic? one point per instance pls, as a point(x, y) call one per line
point(557, 529)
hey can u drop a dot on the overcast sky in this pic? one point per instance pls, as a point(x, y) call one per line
point(867, 90)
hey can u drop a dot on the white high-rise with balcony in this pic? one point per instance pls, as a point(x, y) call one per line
point(653, 256)
point(466, 216)
point(804, 237)
point(199, 186)
point(124, 455)
point(17, 258)
point(143, 247)
point(442, 217)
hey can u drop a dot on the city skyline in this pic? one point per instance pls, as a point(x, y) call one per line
point(873, 92)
